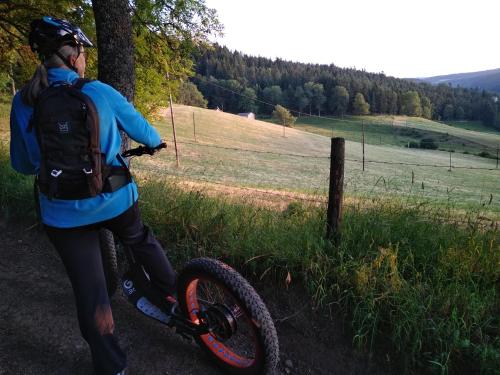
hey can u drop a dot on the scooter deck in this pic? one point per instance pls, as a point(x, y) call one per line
point(142, 303)
point(141, 294)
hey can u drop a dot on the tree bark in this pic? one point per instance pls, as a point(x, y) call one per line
point(336, 193)
point(115, 48)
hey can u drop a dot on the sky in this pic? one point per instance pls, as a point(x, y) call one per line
point(402, 38)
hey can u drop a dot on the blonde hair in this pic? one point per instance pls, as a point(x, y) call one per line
point(40, 81)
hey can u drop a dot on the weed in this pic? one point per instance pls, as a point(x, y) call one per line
point(422, 288)
point(484, 154)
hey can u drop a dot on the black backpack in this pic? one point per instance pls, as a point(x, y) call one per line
point(67, 129)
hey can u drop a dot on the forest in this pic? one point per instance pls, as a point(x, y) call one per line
point(236, 82)
point(230, 80)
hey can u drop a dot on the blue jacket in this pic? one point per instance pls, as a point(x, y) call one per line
point(115, 113)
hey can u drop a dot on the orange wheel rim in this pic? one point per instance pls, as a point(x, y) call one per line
point(219, 349)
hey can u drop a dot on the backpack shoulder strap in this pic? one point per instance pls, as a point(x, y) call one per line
point(80, 82)
point(60, 83)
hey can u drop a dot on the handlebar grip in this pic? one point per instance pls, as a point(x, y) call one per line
point(141, 150)
point(160, 146)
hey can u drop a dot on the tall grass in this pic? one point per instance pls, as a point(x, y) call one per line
point(427, 289)
point(423, 293)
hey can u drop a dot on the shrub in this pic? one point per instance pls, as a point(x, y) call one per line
point(428, 144)
point(283, 116)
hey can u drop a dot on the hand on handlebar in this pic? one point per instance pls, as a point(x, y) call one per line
point(160, 146)
point(141, 150)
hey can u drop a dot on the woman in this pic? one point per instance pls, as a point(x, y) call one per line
point(73, 225)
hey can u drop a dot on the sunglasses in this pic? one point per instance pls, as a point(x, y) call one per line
point(84, 53)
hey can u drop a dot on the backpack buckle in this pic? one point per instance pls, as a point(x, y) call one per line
point(86, 171)
point(55, 173)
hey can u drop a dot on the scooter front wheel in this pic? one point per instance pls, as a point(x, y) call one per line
point(242, 338)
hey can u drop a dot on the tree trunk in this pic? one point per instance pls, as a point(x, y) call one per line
point(115, 47)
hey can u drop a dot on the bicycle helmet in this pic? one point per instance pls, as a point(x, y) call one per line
point(48, 34)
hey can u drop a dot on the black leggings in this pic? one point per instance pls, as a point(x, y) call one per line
point(80, 252)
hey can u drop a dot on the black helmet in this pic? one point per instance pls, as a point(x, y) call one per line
point(48, 34)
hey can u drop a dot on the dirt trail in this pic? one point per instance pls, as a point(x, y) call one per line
point(39, 332)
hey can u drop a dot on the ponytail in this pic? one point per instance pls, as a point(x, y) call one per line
point(39, 81)
point(35, 85)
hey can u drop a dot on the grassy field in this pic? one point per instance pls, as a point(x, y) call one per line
point(472, 125)
point(469, 137)
point(230, 150)
point(299, 161)
point(415, 288)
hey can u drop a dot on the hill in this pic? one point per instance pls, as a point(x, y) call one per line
point(231, 150)
point(236, 156)
point(485, 80)
point(240, 83)
point(466, 137)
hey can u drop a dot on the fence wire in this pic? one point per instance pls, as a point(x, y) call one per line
point(314, 199)
point(328, 157)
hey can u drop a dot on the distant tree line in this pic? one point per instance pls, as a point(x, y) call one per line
point(239, 83)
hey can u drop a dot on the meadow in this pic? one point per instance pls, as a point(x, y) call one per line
point(412, 286)
point(458, 136)
point(241, 152)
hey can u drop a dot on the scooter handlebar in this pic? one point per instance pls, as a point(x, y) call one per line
point(141, 150)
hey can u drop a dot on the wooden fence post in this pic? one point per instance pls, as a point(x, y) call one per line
point(334, 213)
point(363, 127)
point(497, 156)
point(194, 129)
point(173, 124)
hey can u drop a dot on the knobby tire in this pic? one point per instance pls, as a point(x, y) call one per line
point(256, 315)
point(109, 261)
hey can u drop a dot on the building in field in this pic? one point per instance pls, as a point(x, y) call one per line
point(249, 115)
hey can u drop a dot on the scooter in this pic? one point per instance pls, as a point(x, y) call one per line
point(216, 306)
